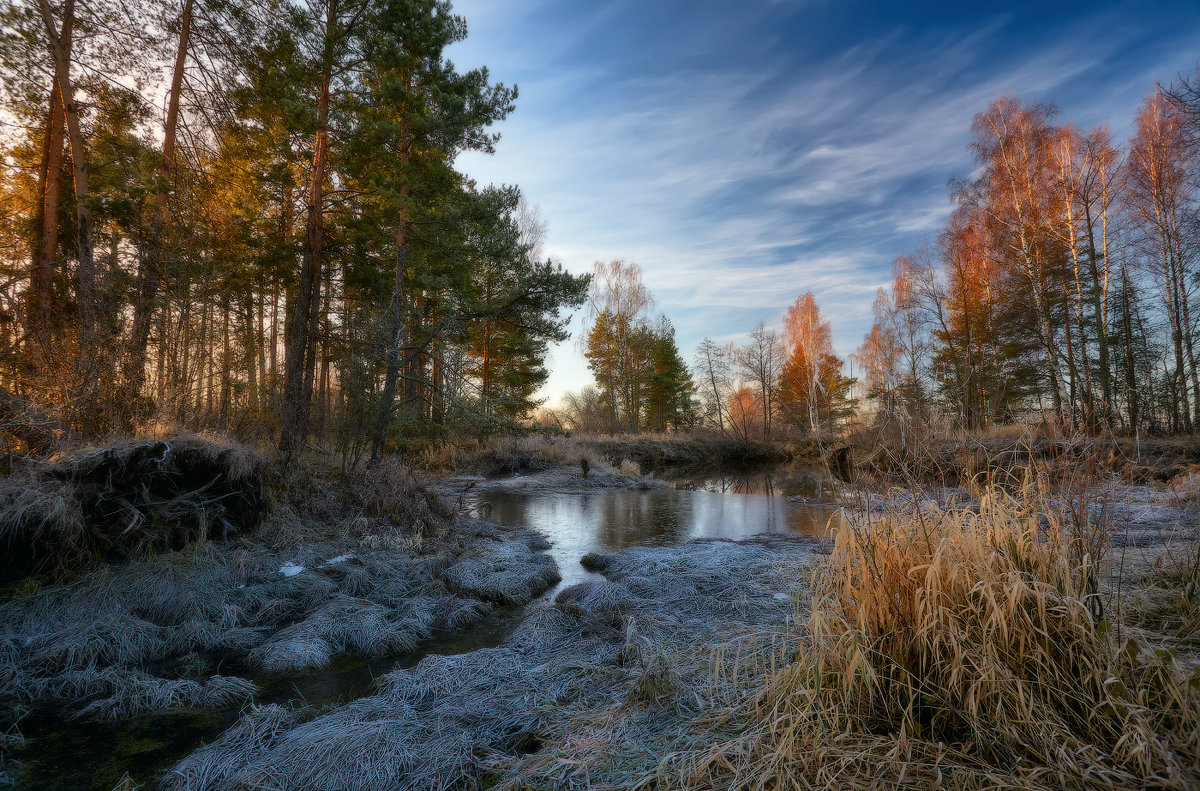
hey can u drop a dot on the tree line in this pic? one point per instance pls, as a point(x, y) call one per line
point(772, 386)
point(1062, 289)
point(284, 246)
point(641, 381)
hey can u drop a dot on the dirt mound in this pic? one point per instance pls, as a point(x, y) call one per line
point(109, 504)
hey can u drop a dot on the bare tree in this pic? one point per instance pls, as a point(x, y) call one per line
point(1162, 197)
point(760, 361)
point(713, 376)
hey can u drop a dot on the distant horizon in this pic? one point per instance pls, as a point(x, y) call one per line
point(744, 157)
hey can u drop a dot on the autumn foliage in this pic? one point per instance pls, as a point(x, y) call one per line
point(1061, 290)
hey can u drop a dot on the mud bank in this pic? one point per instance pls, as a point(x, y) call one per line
point(623, 660)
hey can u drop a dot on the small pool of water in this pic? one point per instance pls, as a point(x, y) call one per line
point(702, 505)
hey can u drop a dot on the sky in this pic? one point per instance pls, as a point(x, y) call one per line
point(745, 152)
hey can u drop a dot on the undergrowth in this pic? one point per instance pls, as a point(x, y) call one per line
point(962, 648)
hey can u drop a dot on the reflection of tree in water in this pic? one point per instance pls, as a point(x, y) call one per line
point(787, 481)
point(629, 518)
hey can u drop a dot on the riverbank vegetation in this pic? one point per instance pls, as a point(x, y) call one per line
point(1001, 644)
point(237, 343)
point(1005, 640)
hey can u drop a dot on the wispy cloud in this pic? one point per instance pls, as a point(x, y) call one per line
point(741, 170)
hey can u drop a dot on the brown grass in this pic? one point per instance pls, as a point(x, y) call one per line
point(506, 455)
point(534, 453)
point(1185, 487)
point(127, 500)
point(963, 649)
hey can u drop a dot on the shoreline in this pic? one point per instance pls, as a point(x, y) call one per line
point(308, 593)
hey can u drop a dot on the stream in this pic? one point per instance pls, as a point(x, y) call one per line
point(60, 753)
point(730, 505)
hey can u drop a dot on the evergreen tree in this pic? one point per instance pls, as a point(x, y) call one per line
point(669, 390)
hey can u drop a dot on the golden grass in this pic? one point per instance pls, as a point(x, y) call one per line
point(961, 648)
point(1185, 488)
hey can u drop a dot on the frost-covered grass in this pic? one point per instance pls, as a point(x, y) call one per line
point(613, 667)
point(338, 566)
point(974, 644)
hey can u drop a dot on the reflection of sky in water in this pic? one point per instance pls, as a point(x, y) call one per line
point(609, 520)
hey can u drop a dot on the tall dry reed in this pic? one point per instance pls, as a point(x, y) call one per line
point(963, 648)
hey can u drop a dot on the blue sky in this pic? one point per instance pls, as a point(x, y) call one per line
point(745, 152)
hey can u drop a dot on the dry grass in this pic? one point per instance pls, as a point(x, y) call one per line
point(629, 468)
point(507, 455)
point(130, 499)
point(963, 649)
point(695, 449)
point(1185, 487)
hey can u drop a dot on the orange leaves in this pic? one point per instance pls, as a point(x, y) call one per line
point(804, 329)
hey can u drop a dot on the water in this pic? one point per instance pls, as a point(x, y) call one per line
point(81, 754)
point(702, 505)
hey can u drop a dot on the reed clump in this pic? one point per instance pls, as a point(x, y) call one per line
point(966, 648)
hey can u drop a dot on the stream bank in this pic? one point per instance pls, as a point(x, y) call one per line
point(137, 661)
point(136, 664)
point(671, 588)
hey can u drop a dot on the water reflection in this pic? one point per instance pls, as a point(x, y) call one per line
point(610, 520)
point(793, 480)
